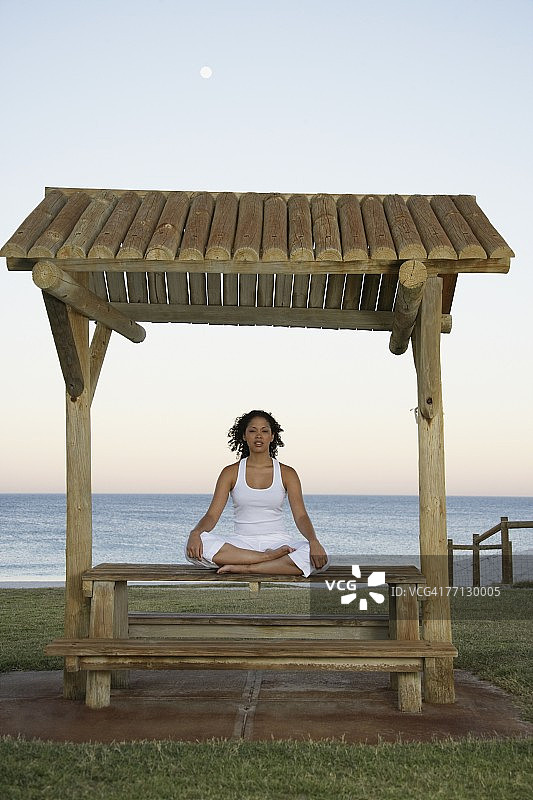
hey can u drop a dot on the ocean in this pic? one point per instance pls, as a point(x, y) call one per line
point(154, 528)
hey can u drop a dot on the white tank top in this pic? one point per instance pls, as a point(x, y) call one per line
point(258, 512)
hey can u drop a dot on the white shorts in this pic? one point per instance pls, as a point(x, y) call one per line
point(212, 542)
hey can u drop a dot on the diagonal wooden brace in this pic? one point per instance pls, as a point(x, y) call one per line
point(98, 349)
point(65, 344)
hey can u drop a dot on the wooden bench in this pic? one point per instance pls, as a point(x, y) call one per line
point(403, 657)
point(119, 641)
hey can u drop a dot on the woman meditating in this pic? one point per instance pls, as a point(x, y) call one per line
point(258, 484)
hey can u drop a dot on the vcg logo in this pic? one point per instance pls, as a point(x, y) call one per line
point(374, 579)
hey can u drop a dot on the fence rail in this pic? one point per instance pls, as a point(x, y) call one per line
point(506, 546)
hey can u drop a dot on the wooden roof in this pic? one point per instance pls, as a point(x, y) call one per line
point(255, 258)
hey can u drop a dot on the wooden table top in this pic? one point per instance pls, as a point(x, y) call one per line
point(394, 574)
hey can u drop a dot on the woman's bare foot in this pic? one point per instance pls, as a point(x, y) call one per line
point(241, 568)
point(278, 552)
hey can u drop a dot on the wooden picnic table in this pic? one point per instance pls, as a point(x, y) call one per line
point(119, 640)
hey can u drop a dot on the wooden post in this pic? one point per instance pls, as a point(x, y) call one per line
point(120, 678)
point(78, 550)
point(407, 628)
point(101, 627)
point(436, 622)
point(393, 676)
point(450, 562)
point(507, 559)
point(476, 565)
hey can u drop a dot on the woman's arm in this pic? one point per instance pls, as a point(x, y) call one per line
point(301, 517)
point(212, 515)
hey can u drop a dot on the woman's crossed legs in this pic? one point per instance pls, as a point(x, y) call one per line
point(272, 561)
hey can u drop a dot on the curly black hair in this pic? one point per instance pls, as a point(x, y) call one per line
point(237, 431)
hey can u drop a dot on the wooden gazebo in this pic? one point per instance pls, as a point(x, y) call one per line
point(362, 262)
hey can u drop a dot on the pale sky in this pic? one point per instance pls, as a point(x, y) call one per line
point(346, 96)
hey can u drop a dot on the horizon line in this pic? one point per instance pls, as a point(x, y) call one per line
point(306, 494)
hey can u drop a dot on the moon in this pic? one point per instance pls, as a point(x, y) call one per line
point(206, 72)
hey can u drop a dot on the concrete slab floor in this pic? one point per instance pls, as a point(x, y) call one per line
point(202, 704)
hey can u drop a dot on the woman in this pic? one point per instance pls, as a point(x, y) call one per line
point(258, 484)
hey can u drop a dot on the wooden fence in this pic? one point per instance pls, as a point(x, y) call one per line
point(506, 547)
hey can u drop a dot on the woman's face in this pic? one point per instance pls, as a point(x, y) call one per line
point(258, 435)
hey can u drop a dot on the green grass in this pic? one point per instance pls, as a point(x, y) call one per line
point(29, 619)
point(494, 638)
point(227, 770)
point(492, 642)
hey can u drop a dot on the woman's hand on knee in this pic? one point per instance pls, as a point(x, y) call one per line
point(194, 545)
point(317, 554)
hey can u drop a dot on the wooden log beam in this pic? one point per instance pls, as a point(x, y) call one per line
point(274, 242)
point(65, 345)
point(52, 279)
point(326, 232)
point(222, 231)
point(248, 315)
point(228, 266)
point(34, 225)
point(411, 282)
point(247, 243)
